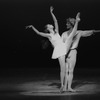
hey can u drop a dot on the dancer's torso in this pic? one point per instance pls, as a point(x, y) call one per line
point(75, 39)
point(56, 39)
point(59, 46)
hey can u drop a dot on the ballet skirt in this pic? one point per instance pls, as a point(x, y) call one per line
point(59, 46)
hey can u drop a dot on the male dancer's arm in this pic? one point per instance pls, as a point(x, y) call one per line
point(55, 20)
point(39, 33)
point(88, 32)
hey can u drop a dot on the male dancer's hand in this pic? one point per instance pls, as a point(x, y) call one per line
point(78, 16)
point(96, 31)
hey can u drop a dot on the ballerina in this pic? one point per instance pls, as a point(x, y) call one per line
point(60, 48)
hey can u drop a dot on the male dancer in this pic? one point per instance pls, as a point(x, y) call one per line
point(71, 57)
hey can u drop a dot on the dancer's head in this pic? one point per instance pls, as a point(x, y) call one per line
point(70, 23)
point(49, 27)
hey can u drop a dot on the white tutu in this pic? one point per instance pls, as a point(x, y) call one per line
point(59, 50)
point(59, 46)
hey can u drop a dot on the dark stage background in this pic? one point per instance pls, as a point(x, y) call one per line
point(21, 50)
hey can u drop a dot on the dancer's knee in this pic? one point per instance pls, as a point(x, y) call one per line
point(66, 68)
point(71, 70)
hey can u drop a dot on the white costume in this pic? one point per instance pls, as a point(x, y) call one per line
point(59, 46)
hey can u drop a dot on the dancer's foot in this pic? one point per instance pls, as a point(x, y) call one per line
point(71, 90)
point(62, 90)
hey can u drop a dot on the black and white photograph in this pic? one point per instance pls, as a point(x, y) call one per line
point(49, 49)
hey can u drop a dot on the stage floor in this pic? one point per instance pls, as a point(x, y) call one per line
point(47, 88)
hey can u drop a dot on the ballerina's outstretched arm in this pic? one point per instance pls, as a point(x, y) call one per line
point(55, 20)
point(39, 33)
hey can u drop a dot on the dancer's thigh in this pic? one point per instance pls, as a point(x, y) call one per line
point(72, 59)
point(62, 62)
